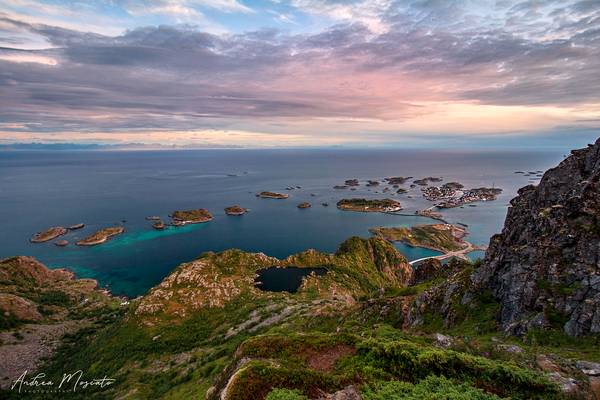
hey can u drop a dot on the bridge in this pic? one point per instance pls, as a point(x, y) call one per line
point(462, 253)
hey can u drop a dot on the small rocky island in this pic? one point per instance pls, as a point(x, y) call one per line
point(101, 236)
point(369, 205)
point(48, 234)
point(425, 181)
point(184, 217)
point(159, 225)
point(273, 195)
point(76, 226)
point(440, 237)
point(397, 180)
point(235, 210)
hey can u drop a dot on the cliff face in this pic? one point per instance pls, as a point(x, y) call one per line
point(544, 268)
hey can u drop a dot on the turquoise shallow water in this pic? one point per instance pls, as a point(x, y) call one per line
point(413, 253)
point(43, 189)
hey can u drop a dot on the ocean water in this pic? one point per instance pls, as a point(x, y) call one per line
point(42, 189)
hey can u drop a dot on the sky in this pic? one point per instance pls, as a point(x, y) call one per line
point(276, 73)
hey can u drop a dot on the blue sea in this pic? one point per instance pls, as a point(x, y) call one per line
point(40, 189)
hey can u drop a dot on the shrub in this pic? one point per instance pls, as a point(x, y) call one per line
point(409, 361)
point(285, 394)
point(430, 388)
point(55, 298)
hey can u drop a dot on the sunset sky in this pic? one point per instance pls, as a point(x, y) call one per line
point(276, 73)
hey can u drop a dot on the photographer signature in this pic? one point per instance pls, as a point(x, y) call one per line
point(72, 381)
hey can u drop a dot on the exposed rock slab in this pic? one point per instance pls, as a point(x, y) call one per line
point(544, 268)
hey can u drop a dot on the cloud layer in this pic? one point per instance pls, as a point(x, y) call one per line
point(376, 67)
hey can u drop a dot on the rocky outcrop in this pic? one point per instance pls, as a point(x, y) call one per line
point(426, 270)
point(369, 205)
point(48, 234)
point(216, 279)
point(28, 287)
point(101, 236)
point(379, 255)
point(184, 217)
point(272, 195)
point(544, 268)
point(210, 281)
point(38, 306)
point(235, 210)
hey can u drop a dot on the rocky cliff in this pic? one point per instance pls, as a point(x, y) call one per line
point(38, 307)
point(544, 268)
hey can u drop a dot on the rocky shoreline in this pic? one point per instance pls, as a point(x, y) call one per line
point(48, 234)
point(272, 195)
point(365, 205)
point(235, 210)
point(184, 217)
point(101, 236)
point(439, 237)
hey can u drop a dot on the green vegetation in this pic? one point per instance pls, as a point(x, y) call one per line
point(101, 236)
point(348, 327)
point(55, 298)
point(199, 215)
point(430, 388)
point(441, 237)
point(409, 361)
point(368, 205)
point(312, 363)
point(285, 394)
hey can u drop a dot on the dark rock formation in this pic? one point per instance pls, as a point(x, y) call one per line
point(76, 226)
point(544, 268)
point(426, 270)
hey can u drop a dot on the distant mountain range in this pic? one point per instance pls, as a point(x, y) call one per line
point(102, 146)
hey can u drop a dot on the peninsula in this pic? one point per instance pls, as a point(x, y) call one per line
point(48, 234)
point(439, 237)
point(184, 217)
point(367, 205)
point(273, 195)
point(101, 236)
